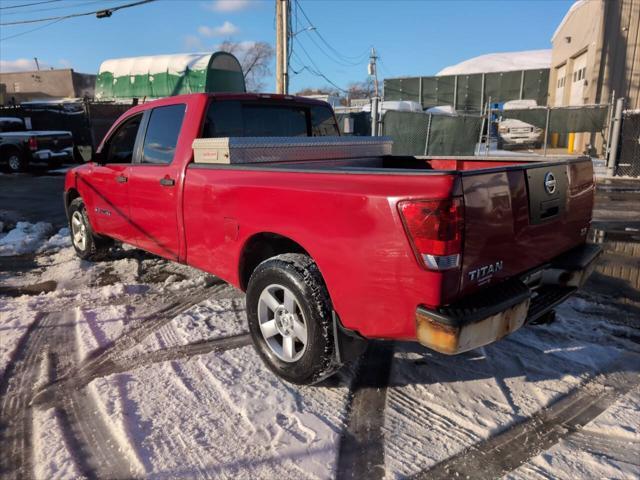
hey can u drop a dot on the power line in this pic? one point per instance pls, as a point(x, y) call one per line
point(314, 72)
point(336, 52)
point(32, 30)
point(61, 7)
point(29, 4)
point(74, 15)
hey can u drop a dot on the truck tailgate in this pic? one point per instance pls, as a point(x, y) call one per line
point(518, 218)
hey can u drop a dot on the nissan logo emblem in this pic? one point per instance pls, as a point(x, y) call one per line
point(550, 183)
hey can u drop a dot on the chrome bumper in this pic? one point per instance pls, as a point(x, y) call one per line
point(498, 311)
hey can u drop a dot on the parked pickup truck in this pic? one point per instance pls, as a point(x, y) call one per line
point(452, 252)
point(20, 148)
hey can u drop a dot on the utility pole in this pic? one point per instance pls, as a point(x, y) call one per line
point(37, 64)
point(282, 46)
point(373, 70)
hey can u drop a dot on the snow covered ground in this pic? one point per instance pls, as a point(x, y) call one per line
point(137, 367)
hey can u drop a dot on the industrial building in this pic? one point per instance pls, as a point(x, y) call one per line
point(17, 87)
point(596, 52)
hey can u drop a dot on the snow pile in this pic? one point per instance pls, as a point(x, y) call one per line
point(59, 241)
point(501, 62)
point(443, 110)
point(25, 238)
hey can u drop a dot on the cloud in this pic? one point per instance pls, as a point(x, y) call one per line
point(20, 65)
point(193, 42)
point(64, 63)
point(224, 30)
point(229, 5)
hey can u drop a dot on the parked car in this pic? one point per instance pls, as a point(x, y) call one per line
point(21, 148)
point(513, 133)
point(454, 253)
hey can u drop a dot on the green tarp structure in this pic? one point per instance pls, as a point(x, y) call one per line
point(161, 76)
point(448, 135)
point(592, 118)
point(469, 93)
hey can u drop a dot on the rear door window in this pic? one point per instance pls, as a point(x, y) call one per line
point(162, 134)
point(245, 119)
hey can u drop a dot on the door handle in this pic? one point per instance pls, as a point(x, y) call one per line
point(121, 179)
point(167, 182)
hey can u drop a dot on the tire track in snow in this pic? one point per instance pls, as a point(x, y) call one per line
point(15, 391)
point(108, 359)
point(515, 446)
point(99, 453)
point(361, 450)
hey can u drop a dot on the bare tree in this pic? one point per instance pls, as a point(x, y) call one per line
point(255, 58)
point(361, 89)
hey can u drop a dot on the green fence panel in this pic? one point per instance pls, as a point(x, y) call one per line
point(469, 96)
point(532, 116)
point(535, 85)
point(502, 87)
point(584, 119)
point(454, 135)
point(392, 89)
point(447, 135)
point(408, 131)
point(563, 119)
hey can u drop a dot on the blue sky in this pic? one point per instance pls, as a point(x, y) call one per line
point(412, 37)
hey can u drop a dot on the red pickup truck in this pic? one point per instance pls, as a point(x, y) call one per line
point(452, 252)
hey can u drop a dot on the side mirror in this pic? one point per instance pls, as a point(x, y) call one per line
point(99, 157)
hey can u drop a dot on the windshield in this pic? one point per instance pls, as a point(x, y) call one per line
point(234, 118)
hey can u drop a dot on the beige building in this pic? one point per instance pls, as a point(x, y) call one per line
point(45, 84)
point(596, 51)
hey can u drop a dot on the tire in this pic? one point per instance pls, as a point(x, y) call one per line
point(290, 287)
point(88, 245)
point(16, 162)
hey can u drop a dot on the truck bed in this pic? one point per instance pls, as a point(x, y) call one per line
point(404, 165)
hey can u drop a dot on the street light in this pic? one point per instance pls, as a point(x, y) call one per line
point(308, 29)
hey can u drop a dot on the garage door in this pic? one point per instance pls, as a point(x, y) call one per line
point(560, 82)
point(578, 79)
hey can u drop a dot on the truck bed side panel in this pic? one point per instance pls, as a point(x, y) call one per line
point(348, 223)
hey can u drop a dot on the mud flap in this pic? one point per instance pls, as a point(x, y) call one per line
point(348, 345)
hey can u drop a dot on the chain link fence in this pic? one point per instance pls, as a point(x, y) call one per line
point(629, 155)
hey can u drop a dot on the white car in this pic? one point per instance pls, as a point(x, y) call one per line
point(514, 133)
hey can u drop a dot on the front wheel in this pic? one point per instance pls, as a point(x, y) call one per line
point(289, 313)
point(87, 244)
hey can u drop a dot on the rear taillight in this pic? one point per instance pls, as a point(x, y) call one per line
point(33, 143)
point(435, 229)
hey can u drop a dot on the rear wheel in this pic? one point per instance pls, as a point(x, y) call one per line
point(87, 245)
point(16, 162)
point(289, 314)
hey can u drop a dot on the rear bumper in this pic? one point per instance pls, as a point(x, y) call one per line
point(497, 311)
point(49, 156)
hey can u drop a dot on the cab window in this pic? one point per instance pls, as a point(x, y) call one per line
point(119, 148)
